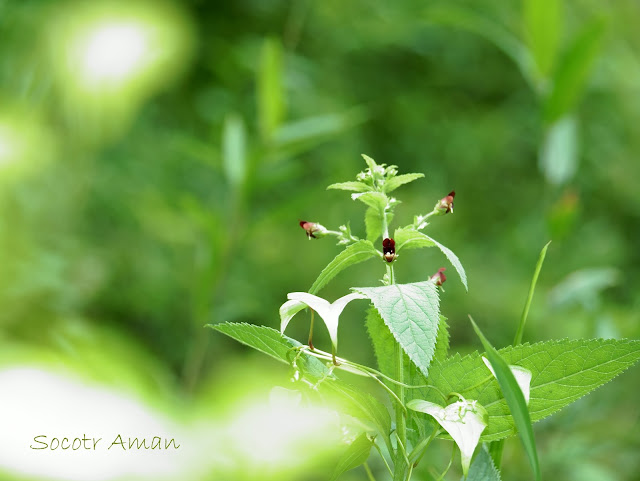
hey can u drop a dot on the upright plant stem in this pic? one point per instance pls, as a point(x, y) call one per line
point(400, 464)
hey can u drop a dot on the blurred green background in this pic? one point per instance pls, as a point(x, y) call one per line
point(155, 159)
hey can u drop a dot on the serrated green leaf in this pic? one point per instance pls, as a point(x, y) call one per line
point(271, 104)
point(482, 468)
point(356, 403)
point(442, 341)
point(356, 454)
point(376, 200)
point(354, 254)
point(515, 400)
point(410, 238)
point(562, 372)
point(272, 343)
point(373, 223)
point(382, 341)
point(543, 25)
point(394, 182)
point(351, 185)
point(573, 71)
point(411, 312)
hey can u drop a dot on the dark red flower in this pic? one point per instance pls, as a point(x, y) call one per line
point(313, 229)
point(445, 205)
point(389, 249)
point(438, 278)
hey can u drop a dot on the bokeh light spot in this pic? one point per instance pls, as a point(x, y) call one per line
point(114, 51)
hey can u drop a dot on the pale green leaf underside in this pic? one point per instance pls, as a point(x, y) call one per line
point(355, 455)
point(411, 312)
point(355, 253)
point(563, 371)
point(394, 182)
point(482, 468)
point(455, 262)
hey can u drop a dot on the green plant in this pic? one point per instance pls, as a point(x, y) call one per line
point(432, 394)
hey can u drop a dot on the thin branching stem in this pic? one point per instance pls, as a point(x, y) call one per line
point(384, 460)
point(369, 473)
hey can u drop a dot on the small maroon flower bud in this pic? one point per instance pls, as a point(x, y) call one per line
point(438, 278)
point(445, 205)
point(389, 249)
point(313, 229)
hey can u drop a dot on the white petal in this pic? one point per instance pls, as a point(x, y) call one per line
point(463, 420)
point(330, 313)
point(465, 427)
point(287, 311)
point(522, 375)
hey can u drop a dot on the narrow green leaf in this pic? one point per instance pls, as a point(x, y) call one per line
point(300, 135)
point(485, 27)
point(234, 141)
point(355, 253)
point(356, 454)
point(373, 223)
point(352, 186)
point(532, 289)
point(482, 468)
point(558, 156)
point(271, 104)
point(272, 343)
point(562, 372)
point(515, 401)
point(394, 182)
point(543, 24)
point(411, 312)
point(455, 262)
point(573, 71)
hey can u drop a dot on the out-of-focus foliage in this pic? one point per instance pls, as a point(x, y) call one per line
point(156, 157)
